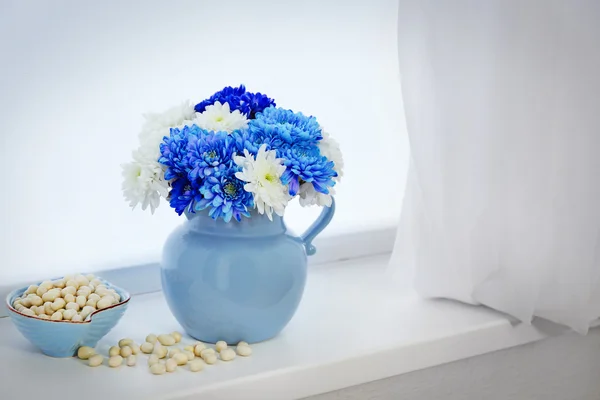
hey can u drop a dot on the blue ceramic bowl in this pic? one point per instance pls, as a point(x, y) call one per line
point(63, 338)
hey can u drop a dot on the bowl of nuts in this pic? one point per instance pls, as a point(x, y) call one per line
point(60, 315)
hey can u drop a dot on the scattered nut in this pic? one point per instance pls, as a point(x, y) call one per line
point(189, 354)
point(85, 352)
point(147, 347)
point(135, 349)
point(114, 351)
point(95, 360)
point(115, 361)
point(166, 340)
point(151, 338)
point(244, 351)
point(125, 342)
point(158, 369)
point(177, 336)
point(171, 365)
point(198, 349)
point(173, 351)
point(153, 359)
point(180, 358)
point(220, 345)
point(196, 365)
point(210, 358)
point(126, 351)
point(131, 360)
point(227, 354)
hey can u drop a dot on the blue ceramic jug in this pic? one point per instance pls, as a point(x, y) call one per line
point(238, 280)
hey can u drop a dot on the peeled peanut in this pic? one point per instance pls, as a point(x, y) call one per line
point(135, 349)
point(72, 306)
point(198, 349)
point(47, 284)
point(177, 336)
point(166, 340)
point(60, 283)
point(82, 280)
point(26, 302)
point(180, 358)
point(125, 342)
point(48, 308)
point(87, 310)
point(242, 343)
point(40, 291)
point(57, 316)
point(196, 365)
point(171, 365)
point(190, 355)
point(114, 351)
point(51, 295)
point(77, 318)
point(69, 314)
point(95, 360)
point(244, 351)
point(90, 277)
point(205, 352)
point(147, 348)
point(27, 311)
point(189, 348)
point(153, 359)
point(131, 360)
point(158, 369)
point(43, 316)
point(81, 300)
point(227, 354)
point(160, 351)
point(39, 310)
point(173, 351)
point(115, 361)
point(220, 345)
point(68, 290)
point(85, 352)
point(72, 283)
point(94, 297)
point(69, 298)
point(58, 304)
point(96, 282)
point(210, 358)
point(91, 303)
point(126, 351)
point(36, 300)
point(104, 302)
point(31, 289)
point(151, 338)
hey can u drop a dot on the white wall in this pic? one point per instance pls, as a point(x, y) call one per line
point(75, 77)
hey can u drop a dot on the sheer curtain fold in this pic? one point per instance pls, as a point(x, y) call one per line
point(502, 102)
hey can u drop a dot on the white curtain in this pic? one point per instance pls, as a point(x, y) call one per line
point(502, 102)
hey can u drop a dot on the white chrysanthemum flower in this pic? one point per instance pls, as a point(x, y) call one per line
point(144, 178)
point(158, 125)
point(330, 148)
point(143, 181)
point(263, 175)
point(308, 196)
point(218, 117)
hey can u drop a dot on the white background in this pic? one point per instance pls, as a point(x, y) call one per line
point(75, 77)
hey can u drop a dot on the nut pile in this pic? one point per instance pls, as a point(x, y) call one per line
point(163, 356)
point(73, 298)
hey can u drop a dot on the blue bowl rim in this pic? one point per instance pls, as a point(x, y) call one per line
point(23, 289)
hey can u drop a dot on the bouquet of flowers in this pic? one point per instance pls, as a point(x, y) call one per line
point(229, 154)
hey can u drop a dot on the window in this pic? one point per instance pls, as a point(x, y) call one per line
point(76, 78)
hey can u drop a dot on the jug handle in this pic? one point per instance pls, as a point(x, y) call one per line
point(321, 223)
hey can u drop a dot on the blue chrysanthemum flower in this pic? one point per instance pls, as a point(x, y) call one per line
point(226, 197)
point(210, 153)
point(247, 103)
point(306, 164)
point(280, 129)
point(183, 195)
point(173, 151)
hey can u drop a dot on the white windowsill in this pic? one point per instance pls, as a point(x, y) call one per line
point(353, 326)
